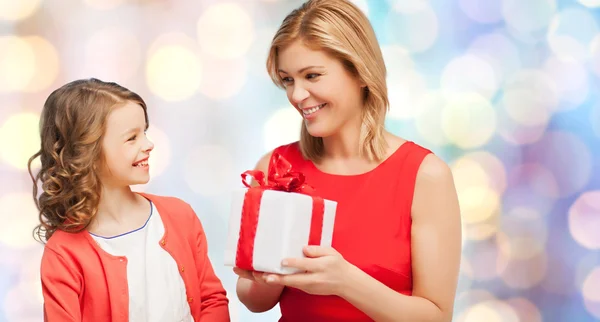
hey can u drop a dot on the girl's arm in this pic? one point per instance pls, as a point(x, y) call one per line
point(61, 286)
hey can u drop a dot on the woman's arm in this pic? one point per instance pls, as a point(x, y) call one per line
point(436, 251)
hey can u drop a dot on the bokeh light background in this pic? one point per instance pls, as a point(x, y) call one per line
point(506, 91)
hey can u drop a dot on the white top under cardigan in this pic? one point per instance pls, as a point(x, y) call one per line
point(156, 290)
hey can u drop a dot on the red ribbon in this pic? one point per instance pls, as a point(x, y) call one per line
point(281, 177)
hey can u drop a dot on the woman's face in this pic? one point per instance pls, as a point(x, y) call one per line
point(319, 86)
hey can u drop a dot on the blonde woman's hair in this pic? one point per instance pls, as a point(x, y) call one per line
point(343, 31)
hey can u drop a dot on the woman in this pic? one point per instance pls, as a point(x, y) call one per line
point(397, 235)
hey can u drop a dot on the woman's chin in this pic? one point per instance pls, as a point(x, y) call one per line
point(319, 130)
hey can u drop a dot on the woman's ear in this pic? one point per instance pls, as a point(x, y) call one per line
point(365, 92)
point(363, 86)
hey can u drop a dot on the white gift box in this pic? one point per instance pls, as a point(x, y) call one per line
point(283, 228)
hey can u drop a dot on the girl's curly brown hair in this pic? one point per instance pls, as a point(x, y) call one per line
point(72, 125)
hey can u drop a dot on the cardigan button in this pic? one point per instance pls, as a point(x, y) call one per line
point(190, 299)
point(162, 242)
point(182, 269)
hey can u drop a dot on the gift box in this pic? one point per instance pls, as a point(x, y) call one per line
point(276, 219)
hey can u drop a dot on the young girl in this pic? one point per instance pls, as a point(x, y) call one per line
point(112, 254)
point(397, 236)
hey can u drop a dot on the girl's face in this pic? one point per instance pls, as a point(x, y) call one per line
point(125, 147)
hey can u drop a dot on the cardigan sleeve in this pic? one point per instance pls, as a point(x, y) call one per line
point(61, 287)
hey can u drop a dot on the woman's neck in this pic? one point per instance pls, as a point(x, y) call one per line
point(343, 145)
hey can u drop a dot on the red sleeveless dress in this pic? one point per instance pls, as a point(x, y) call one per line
point(372, 228)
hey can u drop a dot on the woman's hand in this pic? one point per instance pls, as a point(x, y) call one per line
point(325, 272)
point(254, 276)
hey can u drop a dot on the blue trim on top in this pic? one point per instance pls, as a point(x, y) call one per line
point(129, 232)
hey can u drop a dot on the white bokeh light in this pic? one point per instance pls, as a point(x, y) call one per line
point(525, 309)
point(524, 273)
point(428, 118)
point(257, 54)
point(486, 259)
point(479, 168)
point(591, 292)
point(526, 18)
point(590, 3)
point(19, 234)
point(524, 233)
point(11, 10)
point(595, 55)
point(405, 85)
point(483, 230)
point(208, 170)
point(17, 63)
point(19, 139)
point(478, 204)
point(480, 179)
point(24, 300)
point(161, 154)
point(482, 11)
point(222, 79)
point(468, 173)
point(173, 71)
point(469, 298)
point(112, 53)
point(516, 133)
point(408, 6)
point(584, 220)
point(225, 30)
point(530, 97)
point(104, 4)
point(469, 121)
point(595, 119)
point(401, 27)
point(490, 311)
point(469, 74)
point(589, 288)
point(46, 64)
point(570, 77)
point(585, 266)
point(22, 304)
point(283, 127)
point(571, 33)
point(500, 52)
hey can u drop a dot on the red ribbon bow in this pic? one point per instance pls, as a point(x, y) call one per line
point(281, 177)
